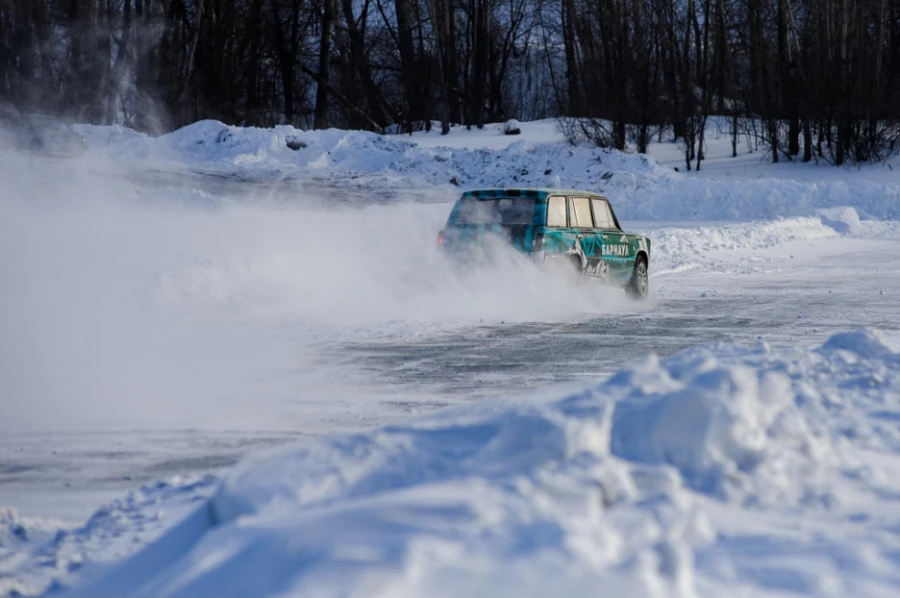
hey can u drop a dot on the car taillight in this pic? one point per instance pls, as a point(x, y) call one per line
point(441, 239)
point(537, 243)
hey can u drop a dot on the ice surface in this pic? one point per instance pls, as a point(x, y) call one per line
point(719, 470)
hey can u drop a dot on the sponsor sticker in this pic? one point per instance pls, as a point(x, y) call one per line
point(616, 249)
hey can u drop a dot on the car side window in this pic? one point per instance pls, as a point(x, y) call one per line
point(602, 216)
point(556, 211)
point(580, 210)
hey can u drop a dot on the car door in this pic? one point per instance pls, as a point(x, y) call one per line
point(558, 237)
point(618, 252)
point(588, 240)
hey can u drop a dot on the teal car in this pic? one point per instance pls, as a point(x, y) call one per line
point(577, 230)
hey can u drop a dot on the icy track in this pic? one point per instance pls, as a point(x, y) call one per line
point(717, 471)
point(164, 317)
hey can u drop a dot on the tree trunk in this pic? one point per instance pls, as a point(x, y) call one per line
point(481, 32)
point(807, 141)
point(255, 34)
point(23, 48)
point(576, 104)
point(413, 84)
point(321, 112)
point(360, 63)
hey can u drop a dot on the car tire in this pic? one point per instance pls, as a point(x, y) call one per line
point(639, 286)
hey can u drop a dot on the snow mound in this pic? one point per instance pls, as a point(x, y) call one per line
point(866, 343)
point(675, 477)
point(640, 188)
point(360, 157)
point(686, 198)
point(39, 556)
point(675, 248)
point(512, 127)
point(716, 425)
point(844, 220)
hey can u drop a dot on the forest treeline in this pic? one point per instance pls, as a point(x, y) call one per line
point(807, 78)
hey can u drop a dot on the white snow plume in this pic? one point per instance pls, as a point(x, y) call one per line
point(718, 471)
point(172, 306)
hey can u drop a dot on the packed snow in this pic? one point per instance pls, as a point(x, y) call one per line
point(719, 470)
point(173, 305)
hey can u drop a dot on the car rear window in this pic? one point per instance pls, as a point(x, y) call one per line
point(504, 210)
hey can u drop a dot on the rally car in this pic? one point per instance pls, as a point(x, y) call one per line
point(577, 230)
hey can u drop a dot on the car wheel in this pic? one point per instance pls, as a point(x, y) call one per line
point(639, 285)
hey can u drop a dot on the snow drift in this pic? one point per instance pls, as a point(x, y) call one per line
point(650, 484)
point(641, 188)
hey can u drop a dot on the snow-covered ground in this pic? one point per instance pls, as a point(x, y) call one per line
point(642, 188)
point(717, 471)
point(171, 305)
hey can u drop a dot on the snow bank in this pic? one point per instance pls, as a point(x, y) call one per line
point(641, 188)
point(651, 484)
point(366, 158)
point(731, 431)
point(753, 247)
point(702, 199)
point(862, 343)
point(677, 248)
point(38, 556)
point(843, 219)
